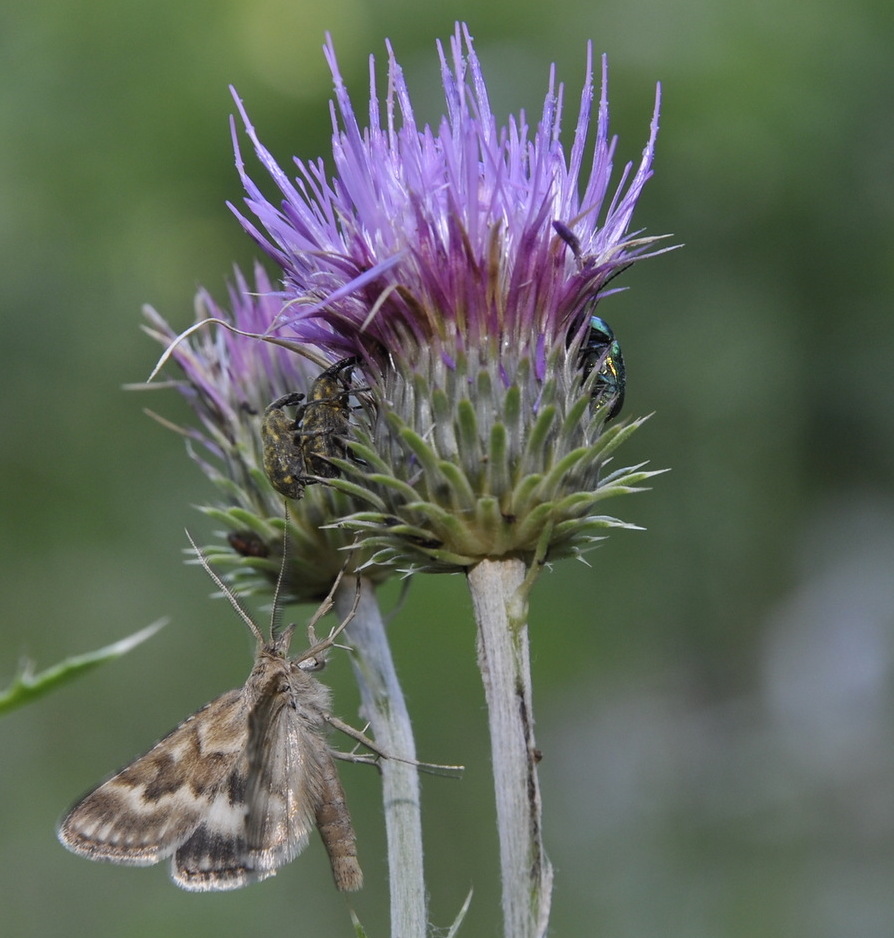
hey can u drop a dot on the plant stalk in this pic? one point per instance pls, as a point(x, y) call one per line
point(383, 705)
point(498, 596)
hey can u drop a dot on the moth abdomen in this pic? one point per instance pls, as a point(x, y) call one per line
point(336, 829)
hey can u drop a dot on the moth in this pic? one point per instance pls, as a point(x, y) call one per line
point(297, 452)
point(235, 790)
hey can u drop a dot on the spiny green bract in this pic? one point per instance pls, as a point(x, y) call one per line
point(460, 466)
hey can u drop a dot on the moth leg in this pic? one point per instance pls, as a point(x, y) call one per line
point(432, 768)
point(358, 758)
point(354, 733)
point(362, 758)
point(318, 646)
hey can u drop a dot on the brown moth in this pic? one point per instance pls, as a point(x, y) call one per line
point(234, 791)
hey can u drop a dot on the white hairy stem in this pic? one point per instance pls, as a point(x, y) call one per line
point(500, 608)
point(382, 703)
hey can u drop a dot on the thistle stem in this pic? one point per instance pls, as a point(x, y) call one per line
point(382, 703)
point(497, 588)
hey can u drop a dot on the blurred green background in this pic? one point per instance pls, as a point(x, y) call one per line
point(714, 697)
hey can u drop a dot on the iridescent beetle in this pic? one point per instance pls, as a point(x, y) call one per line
point(601, 349)
point(296, 451)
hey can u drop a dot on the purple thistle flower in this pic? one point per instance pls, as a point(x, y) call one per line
point(457, 235)
point(461, 264)
point(228, 379)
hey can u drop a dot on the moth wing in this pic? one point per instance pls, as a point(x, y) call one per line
point(144, 812)
point(276, 790)
point(294, 787)
point(213, 857)
point(285, 787)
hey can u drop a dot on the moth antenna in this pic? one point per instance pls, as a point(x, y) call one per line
point(283, 343)
point(276, 614)
point(219, 583)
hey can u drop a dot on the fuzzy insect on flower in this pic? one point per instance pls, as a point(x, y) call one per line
point(461, 264)
point(300, 451)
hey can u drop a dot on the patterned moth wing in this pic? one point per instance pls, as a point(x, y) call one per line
point(233, 792)
point(293, 783)
point(146, 811)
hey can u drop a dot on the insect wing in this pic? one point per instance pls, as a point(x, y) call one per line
point(143, 813)
point(262, 816)
point(293, 784)
point(283, 785)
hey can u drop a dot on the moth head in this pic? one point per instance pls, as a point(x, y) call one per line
point(279, 646)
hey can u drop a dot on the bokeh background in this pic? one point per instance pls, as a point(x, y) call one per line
point(714, 696)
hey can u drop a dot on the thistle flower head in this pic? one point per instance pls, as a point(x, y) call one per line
point(228, 379)
point(461, 263)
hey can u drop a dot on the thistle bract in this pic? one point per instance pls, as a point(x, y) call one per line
point(455, 262)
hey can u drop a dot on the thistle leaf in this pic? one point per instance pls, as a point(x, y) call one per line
point(28, 686)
